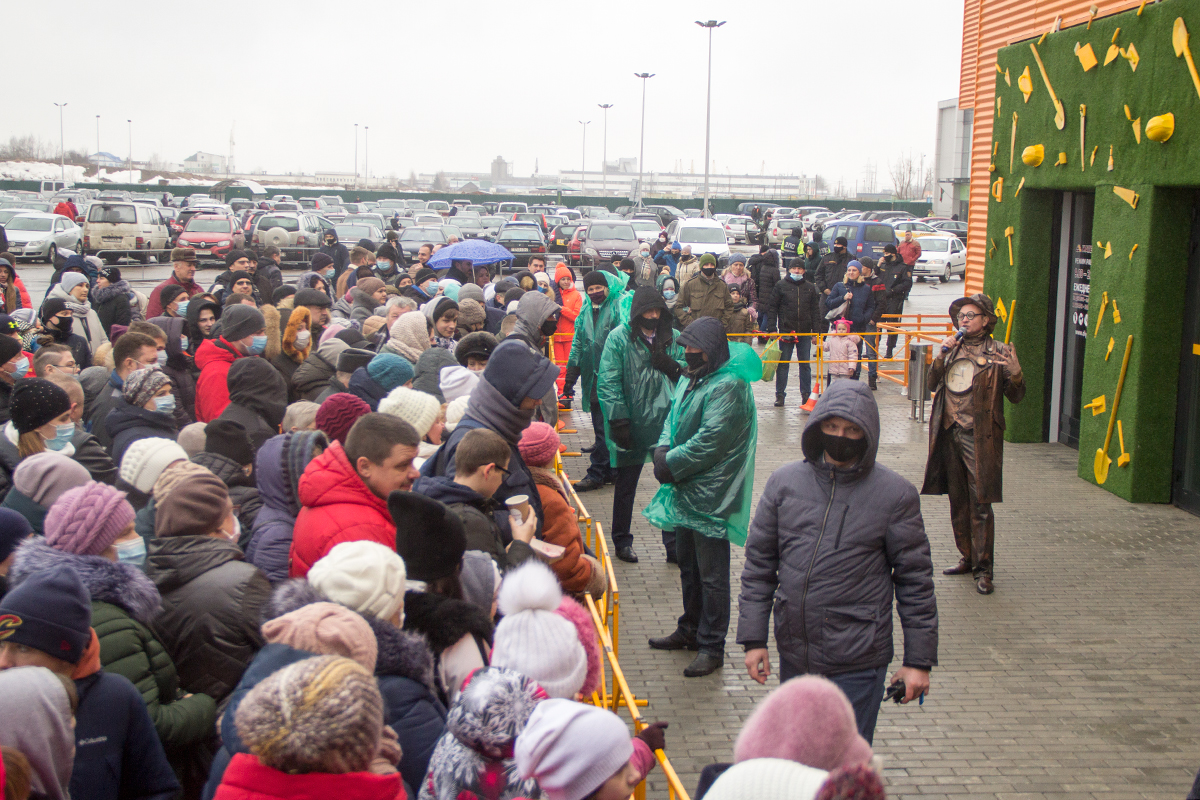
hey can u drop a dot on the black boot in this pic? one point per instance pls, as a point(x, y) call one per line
point(871, 382)
point(779, 398)
point(703, 664)
point(675, 641)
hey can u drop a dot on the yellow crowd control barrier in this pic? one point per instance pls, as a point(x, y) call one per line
point(614, 692)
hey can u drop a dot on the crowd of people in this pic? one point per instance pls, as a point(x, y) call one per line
point(265, 539)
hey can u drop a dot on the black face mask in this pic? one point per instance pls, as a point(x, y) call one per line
point(549, 326)
point(598, 298)
point(708, 271)
point(837, 248)
point(695, 361)
point(648, 325)
point(843, 449)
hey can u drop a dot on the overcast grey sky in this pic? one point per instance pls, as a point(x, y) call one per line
point(804, 87)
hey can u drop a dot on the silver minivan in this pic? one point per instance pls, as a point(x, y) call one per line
point(124, 226)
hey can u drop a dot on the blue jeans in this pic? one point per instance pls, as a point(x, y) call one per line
point(767, 321)
point(704, 575)
point(863, 687)
point(802, 345)
point(599, 470)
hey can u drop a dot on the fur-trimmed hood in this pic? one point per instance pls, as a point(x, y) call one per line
point(274, 346)
point(300, 320)
point(123, 585)
point(400, 653)
point(444, 620)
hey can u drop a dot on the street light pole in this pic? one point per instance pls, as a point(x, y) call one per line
point(367, 152)
point(97, 135)
point(604, 162)
point(356, 155)
point(130, 149)
point(642, 147)
point(583, 158)
point(62, 152)
point(711, 24)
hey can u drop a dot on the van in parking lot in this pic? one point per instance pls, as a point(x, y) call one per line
point(116, 226)
point(863, 237)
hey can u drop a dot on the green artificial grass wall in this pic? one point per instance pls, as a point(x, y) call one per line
point(1148, 288)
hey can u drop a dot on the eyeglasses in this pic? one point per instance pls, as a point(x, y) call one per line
point(506, 472)
point(968, 316)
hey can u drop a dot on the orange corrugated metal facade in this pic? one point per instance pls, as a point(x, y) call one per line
point(988, 26)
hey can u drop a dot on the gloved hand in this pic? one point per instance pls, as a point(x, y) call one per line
point(666, 365)
point(621, 431)
point(654, 736)
point(569, 381)
point(662, 473)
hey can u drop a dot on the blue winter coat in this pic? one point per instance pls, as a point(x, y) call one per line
point(271, 540)
point(127, 424)
point(862, 304)
point(117, 752)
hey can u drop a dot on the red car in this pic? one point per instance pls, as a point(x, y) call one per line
point(575, 246)
point(212, 235)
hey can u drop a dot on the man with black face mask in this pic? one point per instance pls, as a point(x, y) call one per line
point(855, 526)
point(704, 295)
point(833, 266)
point(335, 250)
point(638, 370)
point(599, 314)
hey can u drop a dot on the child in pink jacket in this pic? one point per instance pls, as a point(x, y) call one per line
point(841, 352)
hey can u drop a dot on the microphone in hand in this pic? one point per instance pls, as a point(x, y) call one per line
point(957, 337)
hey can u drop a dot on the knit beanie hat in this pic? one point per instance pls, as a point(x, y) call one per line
point(470, 312)
point(352, 358)
point(585, 629)
point(194, 507)
point(36, 401)
point(456, 381)
point(241, 321)
point(49, 611)
point(321, 714)
point(371, 325)
point(51, 308)
point(175, 474)
point(539, 444)
point(518, 371)
point(281, 293)
point(470, 291)
point(325, 629)
point(70, 280)
point(429, 536)
point(338, 414)
point(369, 286)
point(44, 477)
point(807, 720)
point(234, 256)
point(351, 337)
point(145, 460)
point(737, 258)
point(142, 384)
point(479, 344)
point(228, 438)
point(424, 274)
point(767, 779)
point(534, 640)
point(320, 261)
point(365, 576)
point(311, 297)
point(390, 370)
point(10, 348)
point(191, 438)
point(14, 529)
point(594, 278)
point(708, 260)
point(87, 519)
point(843, 323)
point(416, 408)
point(455, 411)
point(853, 783)
point(571, 749)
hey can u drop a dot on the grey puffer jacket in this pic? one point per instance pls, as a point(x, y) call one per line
point(827, 550)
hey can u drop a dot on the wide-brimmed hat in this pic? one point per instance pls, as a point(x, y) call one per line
point(985, 305)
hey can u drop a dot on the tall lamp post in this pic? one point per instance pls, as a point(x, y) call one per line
point(642, 147)
point(97, 134)
point(130, 149)
point(604, 162)
point(356, 155)
point(583, 157)
point(62, 152)
point(367, 153)
point(711, 24)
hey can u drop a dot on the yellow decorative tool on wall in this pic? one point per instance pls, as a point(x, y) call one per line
point(1060, 115)
point(1103, 462)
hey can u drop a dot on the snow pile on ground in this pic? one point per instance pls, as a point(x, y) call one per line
point(38, 171)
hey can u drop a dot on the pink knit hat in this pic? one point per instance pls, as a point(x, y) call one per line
point(843, 321)
point(338, 414)
point(579, 616)
point(325, 629)
point(807, 720)
point(538, 444)
point(87, 519)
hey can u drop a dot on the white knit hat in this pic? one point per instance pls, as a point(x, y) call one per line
point(571, 749)
point(145, 460)
point(416, 408)
point(768, 779)
point(455, 411)
point(532, 639)
point(365, 576)
point(456, 382)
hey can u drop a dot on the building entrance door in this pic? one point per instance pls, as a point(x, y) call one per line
point(1071, 321)
point(1186, 485)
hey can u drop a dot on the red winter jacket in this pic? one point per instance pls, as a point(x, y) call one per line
point(336, 507)
point(214, 357)
point(247, 778)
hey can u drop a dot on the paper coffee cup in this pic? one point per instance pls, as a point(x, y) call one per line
point(519, 503)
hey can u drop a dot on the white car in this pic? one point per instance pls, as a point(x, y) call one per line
point(647, 230)
point(735, 227)
point(34, 235)
point(942, 256)
point(704, 235)
point(915, 227)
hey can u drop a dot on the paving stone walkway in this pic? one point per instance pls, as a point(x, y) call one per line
point(1076, 679)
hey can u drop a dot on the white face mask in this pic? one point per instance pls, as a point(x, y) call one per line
point(237, 531)
point(303, 339)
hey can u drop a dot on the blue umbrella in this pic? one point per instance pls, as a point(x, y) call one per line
point(478, 251)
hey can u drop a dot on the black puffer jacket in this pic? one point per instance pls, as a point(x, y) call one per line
point(111, 304)
point(212, 608)
point(127, 424)
point(242, 491)
point(832, 270)
point(179, 368)
point(798, 306)
point(257, 399)
point(829, 548)
point(312, 377)
point(764, 268)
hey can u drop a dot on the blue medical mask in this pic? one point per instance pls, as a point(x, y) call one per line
point(258, 344)
point(22, 367)
point(132, 552)
point(183, 343)
point(668, 294)
point(384, 265)
point(164, 405)
point(181, 309)
point(162, 357)
point(62, 436)
point(797, 277)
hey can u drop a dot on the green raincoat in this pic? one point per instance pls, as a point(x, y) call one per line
point(630, 388)
point(713, 433)
point(591, 331)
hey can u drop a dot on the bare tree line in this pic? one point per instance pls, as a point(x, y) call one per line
point(908, 182)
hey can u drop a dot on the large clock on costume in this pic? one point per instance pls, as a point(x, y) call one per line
point(961, 375)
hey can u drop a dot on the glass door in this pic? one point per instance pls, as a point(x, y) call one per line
point(1074, 286)
point(1186, 488)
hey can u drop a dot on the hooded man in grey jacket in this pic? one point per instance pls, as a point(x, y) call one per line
point(834, 538)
